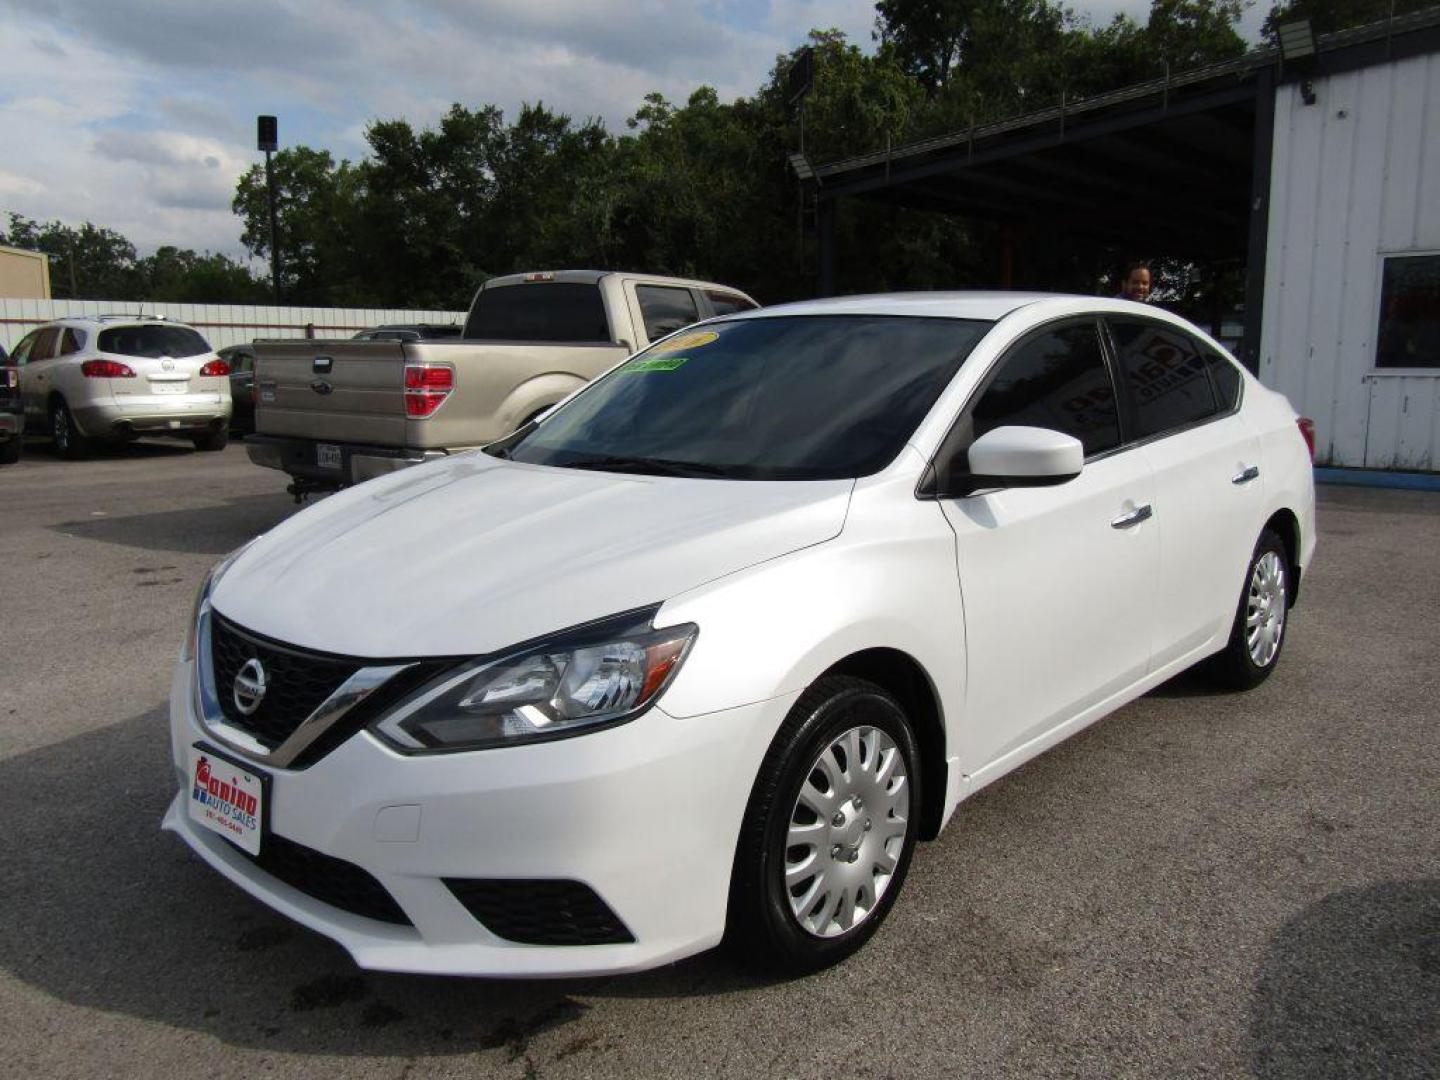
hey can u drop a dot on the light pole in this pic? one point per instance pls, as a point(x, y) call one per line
point(267, 130)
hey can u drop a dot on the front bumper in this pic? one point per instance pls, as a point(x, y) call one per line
point(646, 814)
point(358, 463)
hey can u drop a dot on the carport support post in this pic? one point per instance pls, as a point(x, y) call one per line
point(1259, 216)
point(825, 236)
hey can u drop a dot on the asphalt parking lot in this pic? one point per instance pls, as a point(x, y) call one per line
point(1199, 885)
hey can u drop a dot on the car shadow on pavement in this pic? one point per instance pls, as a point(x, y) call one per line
point(1351, 987)
point(104, 911)
point(202, 530)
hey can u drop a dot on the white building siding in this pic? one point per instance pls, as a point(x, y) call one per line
point(221, 324)
point(1355, 176)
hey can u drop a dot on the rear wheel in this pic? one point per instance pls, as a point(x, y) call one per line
point(1258, 633)
point(211, 440)
point(70, 444)
point(10, 450)
point(829, 830)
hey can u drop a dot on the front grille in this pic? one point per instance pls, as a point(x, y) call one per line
point(331, 881)
point(549, 912)
point(296, 682)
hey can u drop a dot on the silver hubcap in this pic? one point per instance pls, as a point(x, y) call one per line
point(62, 429)
point(847, 830)
point(1265, 609)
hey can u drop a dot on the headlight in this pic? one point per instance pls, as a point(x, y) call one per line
point(580, 680)
point(202, 597)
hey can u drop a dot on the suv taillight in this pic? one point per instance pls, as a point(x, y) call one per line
point(106, 369)
point(215, 367)
point(426, 387)
point(1307, 430)
point(12, 377)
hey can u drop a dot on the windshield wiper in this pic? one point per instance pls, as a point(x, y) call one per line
point(650, 466)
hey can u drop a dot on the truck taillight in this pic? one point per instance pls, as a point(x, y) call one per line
point(1307, 430)
point(426, 388)
point(106, 369)
point(215, 367)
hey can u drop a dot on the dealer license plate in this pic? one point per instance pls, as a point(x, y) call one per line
point(327, 455)
point(226, 798)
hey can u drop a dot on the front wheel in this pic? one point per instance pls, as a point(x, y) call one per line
point(829, 830)
point(1258, 632)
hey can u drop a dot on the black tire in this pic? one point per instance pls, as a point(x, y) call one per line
point(10, 449)
point(1236, 667)
point(70, 444)
point(211, 440)
point(762, 927)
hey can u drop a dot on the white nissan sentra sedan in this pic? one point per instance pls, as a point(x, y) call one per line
point(706, 651)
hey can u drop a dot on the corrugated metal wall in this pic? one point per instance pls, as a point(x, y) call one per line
point(1354, 177)
point(221, 324)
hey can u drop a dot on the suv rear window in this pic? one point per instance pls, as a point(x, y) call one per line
point(152, 341)
point(544, 311)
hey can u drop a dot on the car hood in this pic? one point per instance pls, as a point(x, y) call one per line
point(472, 554)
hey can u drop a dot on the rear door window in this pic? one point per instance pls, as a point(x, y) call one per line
point(152, 341)
point(1058, 380)
point(665, 309)
point(1164, 373)
point(539, 311)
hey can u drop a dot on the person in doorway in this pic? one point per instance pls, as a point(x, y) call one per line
point(1135, 283)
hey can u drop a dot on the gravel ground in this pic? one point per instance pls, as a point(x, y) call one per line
point(1199, 885)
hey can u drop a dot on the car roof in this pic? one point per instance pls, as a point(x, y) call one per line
point(990, 305)
point(91, 322)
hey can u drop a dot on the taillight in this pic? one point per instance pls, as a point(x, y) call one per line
point(215, 367)
point(106, 369)
point(1307, 431)
point(426, 387)
point(12, 377)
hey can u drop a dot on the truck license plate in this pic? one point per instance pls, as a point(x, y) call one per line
point(327, 455)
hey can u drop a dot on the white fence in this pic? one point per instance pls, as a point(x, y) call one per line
point(221, 324)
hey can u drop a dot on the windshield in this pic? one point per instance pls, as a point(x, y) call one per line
point(798, 398)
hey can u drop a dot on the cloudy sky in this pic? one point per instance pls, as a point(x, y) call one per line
point(140, 114)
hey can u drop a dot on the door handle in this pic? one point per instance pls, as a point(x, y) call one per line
point(1133, 518)
point(1246, 475)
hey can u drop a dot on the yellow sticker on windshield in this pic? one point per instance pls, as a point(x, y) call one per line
point(665, 363)
point(688, 341)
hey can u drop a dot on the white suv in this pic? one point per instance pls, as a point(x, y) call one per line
point(116, 377)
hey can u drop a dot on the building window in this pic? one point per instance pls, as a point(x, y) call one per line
point(1409, 334)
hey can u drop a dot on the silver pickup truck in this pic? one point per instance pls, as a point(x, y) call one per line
point(333, 413)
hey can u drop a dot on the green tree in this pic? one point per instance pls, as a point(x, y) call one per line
point(1328, 16)
point(91, 262)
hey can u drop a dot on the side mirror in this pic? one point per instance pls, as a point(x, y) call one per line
point(1010, 457)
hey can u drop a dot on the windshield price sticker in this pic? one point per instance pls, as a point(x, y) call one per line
point(664, 363)
point(226, 799)
point(695, 340)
